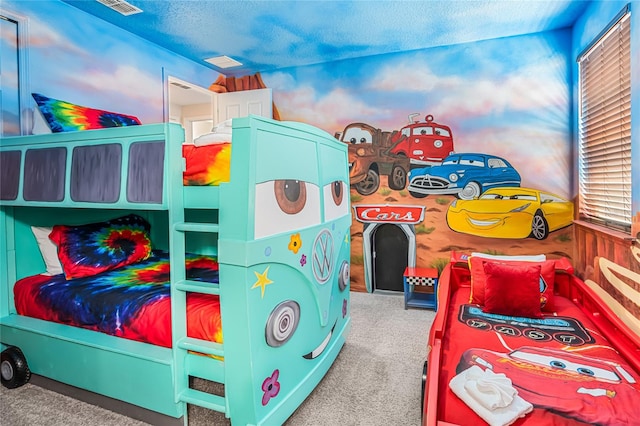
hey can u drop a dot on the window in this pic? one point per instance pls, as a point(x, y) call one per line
point(604, 157)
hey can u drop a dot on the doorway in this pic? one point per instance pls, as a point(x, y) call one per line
point(391, 251)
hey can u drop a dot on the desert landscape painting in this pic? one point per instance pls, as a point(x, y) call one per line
point(435, 240)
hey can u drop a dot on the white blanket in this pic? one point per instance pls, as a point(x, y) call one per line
point(490, 395)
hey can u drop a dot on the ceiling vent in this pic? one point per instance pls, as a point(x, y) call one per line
point(121, 7)
point(223, 62)
point(180, 85)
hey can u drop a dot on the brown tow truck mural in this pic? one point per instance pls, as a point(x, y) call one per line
point(370, 157)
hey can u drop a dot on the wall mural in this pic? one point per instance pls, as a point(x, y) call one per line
point(477, 136)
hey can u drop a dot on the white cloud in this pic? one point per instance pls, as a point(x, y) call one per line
point(127, 81)
point(43, 36)
point(331, 111)
point(415, 77)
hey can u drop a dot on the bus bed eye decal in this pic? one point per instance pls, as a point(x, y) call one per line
point(291, 195)
point(285, 205)
point(336, 202)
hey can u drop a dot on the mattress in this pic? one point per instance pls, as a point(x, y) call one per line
point(132, 302)
point(559, 363)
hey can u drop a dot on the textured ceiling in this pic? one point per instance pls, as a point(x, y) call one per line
point(266, 35)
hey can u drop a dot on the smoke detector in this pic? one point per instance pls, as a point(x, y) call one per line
point(121, 6)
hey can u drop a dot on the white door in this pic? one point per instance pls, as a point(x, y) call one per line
point(243, 103)
point(192, 106)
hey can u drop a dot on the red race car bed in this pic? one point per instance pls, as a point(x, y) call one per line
point(573, 364)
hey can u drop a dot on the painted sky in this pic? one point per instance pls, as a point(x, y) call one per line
point(507, 97)
point(268, 35)
point(90, 63)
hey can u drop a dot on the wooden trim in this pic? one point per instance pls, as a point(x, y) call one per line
point(618, 235)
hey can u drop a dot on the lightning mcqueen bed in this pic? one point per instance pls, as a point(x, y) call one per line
point(569, 361)
point(241, 280)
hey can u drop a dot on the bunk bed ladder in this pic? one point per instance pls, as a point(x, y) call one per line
point(193, 357)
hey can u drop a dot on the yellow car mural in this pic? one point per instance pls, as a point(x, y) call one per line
point(510, 213)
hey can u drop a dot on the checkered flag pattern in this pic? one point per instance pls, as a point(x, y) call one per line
point(421, 281)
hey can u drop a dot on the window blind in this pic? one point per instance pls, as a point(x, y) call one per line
point(604, 157)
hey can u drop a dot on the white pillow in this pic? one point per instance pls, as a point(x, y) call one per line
point(212, 138)
point(224, 127)
point(524, 258)
point(48, 250)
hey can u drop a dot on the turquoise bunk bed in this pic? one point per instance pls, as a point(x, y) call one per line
point(277, 233)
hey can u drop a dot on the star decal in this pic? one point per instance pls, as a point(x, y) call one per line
point(262, 282)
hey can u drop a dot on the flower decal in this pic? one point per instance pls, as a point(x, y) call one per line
point(295, 243)
point(303, 260)
point(271, 387)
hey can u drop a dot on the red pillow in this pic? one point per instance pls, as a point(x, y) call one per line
point(512, 290)
point(546, 280)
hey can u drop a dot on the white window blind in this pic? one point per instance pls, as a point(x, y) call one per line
point(605, 128)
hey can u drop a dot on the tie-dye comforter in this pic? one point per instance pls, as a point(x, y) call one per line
point(132, 302)
point(207, 164)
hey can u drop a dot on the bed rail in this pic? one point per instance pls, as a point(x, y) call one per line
point(115, 168)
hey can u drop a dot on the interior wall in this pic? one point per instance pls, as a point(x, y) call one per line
point(75, 57)
point(611, 260)
point(507, 97)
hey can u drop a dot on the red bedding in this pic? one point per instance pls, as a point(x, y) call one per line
point(560, 363)
point(207, 164)
point(132, 302)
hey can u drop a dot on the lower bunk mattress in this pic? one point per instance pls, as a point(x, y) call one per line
point(560, 364)
point(131, 302)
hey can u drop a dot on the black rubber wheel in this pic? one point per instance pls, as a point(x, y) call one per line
point(370, 184)
point(417, 194)
point(539, 226)
point(14, 370)
point(398, 178)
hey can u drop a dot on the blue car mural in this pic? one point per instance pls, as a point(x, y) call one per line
point(466, 175)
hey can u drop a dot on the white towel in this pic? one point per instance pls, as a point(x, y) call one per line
point(491, 390)
point(501, 416)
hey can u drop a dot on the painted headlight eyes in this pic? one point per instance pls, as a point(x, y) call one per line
point(282, 323)
point(438, 143)
point(291, 195)
point(336, 192)
point(453, 177)
point(344, 276)
point(586, 371)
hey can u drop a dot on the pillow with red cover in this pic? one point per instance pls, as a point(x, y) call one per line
point(512, 290)
point(86, 250)
point(546, 280)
